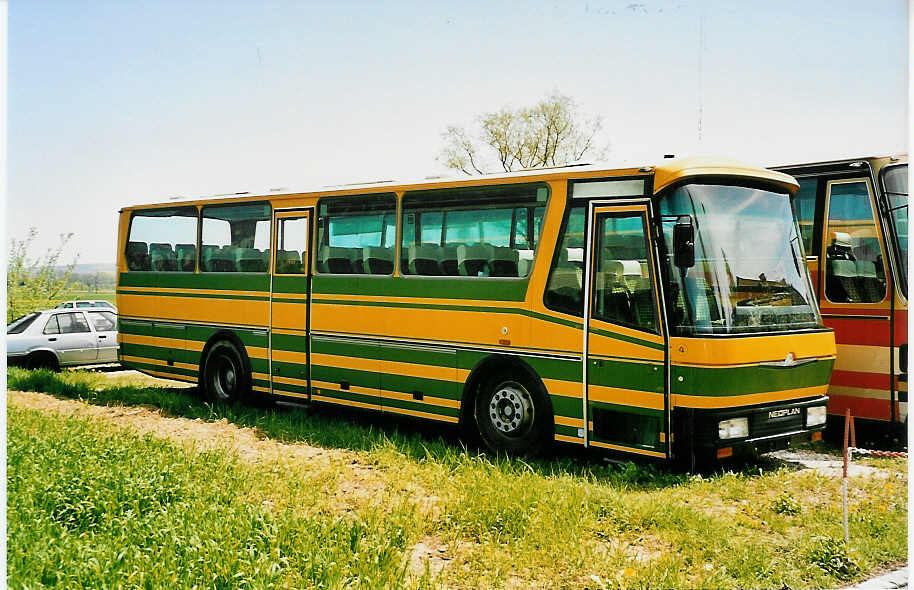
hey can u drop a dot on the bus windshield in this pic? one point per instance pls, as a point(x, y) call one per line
point(895, 181)
point(749, 274)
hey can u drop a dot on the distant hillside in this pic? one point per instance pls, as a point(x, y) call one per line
point(91, 268)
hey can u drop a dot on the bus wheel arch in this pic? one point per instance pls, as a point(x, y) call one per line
point(233, 371)
point(514, 379)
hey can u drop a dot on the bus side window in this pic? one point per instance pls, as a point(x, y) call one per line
point(805, 205)
point(622, 286)
point(235, 238)
point(357, 234)
point(471, 232)
point(854, 262)
point(162, 240)
point(564, 288)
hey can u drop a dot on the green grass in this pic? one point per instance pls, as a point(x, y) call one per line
point(93, 505)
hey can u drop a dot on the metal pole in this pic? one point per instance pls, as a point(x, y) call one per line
point(847, 423)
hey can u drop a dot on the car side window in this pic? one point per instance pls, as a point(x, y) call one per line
point(52, 326)
point(72, 323)
point(103, 321)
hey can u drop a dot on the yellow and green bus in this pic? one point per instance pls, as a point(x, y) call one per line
point(661, 311)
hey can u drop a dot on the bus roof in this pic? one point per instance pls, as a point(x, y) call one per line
point(666, 172)
point(877, 160)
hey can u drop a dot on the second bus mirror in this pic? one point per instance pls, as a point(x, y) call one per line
point(684, 243)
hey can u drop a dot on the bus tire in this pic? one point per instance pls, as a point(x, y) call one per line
point(513, 414)
point(224, 377)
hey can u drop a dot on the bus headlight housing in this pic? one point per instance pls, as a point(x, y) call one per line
point(815, 415)
point(733, 428)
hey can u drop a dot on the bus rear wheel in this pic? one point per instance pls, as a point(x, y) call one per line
point(224, 376)
point(513, 415)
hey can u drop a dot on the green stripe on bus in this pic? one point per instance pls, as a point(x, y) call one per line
point(230, 281)
point(346, 395)
point(226, 295)
point(571, 431)
point(140, 366)
point(569, 407)
point(725, 381)
point(430, 387)
point(635, 376)
point(439, 288)
point(418, 406)
point(355, 377)
point(289, 342)
point(287, 284)
point(650, 412)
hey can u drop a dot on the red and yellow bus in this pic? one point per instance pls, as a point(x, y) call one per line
point(853, 216)
point(659, 311)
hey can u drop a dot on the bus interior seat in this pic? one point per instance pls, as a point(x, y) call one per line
point(472, 259)
point(378, 261)
point(334, 260)
point(564, 288)
point(288, 262)
point(162, 257)
point(424, 259)
point(503, 262)
point(448, 262)
point(869, 286)
point(841, 247)
point(137, 256)
point(612, 301)
point(187, 256)
point(840, 281)
point(249, 260)
point(216, 259)
point(524, 262)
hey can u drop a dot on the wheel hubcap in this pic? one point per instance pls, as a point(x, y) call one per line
point(511, 409)
point(224, 377)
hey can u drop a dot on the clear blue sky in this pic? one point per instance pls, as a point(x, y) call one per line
point(123, 102)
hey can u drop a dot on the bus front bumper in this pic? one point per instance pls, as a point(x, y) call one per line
point(723, 433)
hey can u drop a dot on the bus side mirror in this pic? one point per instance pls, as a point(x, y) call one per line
point(684, 244)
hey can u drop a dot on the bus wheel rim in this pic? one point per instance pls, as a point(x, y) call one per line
point(224, 377)
point(511, 409)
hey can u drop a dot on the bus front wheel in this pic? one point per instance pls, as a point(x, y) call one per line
point(224, 376)
point(513, 415)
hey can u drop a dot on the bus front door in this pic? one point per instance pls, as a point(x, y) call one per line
point(289, 301)
point(624, 357)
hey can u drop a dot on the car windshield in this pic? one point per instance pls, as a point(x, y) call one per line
point(749, 274)
point(19, 325)
point(895, 182)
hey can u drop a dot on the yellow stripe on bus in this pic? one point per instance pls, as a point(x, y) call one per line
point(625, 397)
point(452, 419)
point(570, 439)
point(573, 422)
point(160, 362)
point(626, 449)
point(345, 402)
point(727, 401)
point(408, 397)
point(290, 381)
point(352, 388)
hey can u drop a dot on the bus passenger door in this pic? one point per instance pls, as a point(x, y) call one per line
point(289, 301)
point(855, 302)
point(624, 351)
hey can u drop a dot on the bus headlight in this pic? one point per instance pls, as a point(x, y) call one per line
point(815, 415)
point(733, 428)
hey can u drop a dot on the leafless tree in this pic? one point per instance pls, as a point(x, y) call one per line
point(553, 132)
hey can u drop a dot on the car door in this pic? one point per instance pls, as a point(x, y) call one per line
point(105, 324)
point(70, 335)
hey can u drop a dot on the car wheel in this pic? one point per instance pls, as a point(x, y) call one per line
point(224, 376)
point(513, 414)
point(42, 360)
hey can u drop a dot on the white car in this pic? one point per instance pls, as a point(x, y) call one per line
point(57, 338)
point(86, 304)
